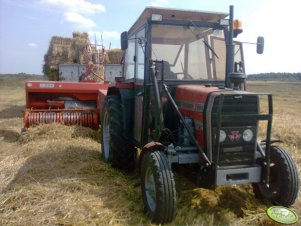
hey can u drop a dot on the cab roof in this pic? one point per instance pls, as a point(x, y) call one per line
point(178, 14)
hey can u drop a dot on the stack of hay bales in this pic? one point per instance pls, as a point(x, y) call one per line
point(115, 56)
point(59, 49)
point(65, 51)
point(79, 44)
point(74, 50)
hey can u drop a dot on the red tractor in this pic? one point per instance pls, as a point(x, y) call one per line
point(182, 102)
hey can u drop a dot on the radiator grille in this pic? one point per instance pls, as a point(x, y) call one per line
point(235, 152)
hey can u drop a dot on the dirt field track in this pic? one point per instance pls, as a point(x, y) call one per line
point(52, 174)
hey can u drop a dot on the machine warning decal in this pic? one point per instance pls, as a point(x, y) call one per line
point(46, 85)
point(199, 107)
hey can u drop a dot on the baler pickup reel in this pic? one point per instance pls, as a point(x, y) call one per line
point(69, 103)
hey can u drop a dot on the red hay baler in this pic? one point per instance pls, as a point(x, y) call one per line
point(70, 103)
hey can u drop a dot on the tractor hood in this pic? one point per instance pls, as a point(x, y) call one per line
point(193, 97)
point(191, 101)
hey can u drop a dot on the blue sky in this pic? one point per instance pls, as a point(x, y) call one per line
point(26, 28)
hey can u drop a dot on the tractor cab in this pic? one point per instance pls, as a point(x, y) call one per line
point(186, 45)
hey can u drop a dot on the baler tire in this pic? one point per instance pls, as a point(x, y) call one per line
point(284, 181)
point(158, 187)
point(116, 150)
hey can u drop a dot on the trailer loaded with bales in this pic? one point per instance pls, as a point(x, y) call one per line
point(182, 102)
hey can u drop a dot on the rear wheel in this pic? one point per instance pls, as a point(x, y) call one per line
point(116, 149)
point(158, 187)
point(284, 182)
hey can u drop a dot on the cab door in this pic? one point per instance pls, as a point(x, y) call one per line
point(219, 60)
point(139, 60)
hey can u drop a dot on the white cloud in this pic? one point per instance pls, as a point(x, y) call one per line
point(159, 3)
point(79, 6)
point(105, 35)
point(80, 20)
point(107, 38)
point(73, 11)
point(32, 45)
point(111, 34)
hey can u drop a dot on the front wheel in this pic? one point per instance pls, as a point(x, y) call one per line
point(158, 187)
point(284, 182)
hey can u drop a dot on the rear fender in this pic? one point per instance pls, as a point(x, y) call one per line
point(102, 93)
point(126, 93)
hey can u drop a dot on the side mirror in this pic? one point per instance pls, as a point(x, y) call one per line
point(260, 44)
point(124, 40)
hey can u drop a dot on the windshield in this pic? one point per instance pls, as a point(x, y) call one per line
point(189, 52)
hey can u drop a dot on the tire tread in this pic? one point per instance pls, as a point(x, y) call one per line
point(123, 152)
point(288, 189)
point(166, 193)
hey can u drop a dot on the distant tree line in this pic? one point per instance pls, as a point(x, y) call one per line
point(275, 76)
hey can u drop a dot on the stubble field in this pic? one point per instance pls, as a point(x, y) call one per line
point(52, 174)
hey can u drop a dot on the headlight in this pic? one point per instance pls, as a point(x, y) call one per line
point(222, 136)
point(248, 135)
